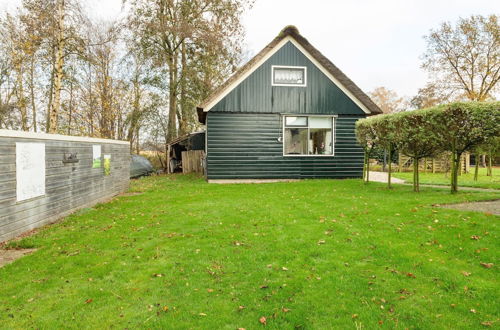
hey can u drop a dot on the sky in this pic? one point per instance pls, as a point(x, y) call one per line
point(375, 42)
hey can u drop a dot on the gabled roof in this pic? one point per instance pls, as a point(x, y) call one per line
point(291, 33)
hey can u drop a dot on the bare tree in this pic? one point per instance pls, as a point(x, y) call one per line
point(388, 100)
point(465, 58)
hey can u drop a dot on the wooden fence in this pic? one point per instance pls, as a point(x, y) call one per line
point(192, 161)
point(439, 164)
point(44, 177)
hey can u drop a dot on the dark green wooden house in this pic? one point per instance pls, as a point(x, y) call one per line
point(289, 113)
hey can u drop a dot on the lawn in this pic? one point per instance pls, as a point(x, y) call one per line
point(177, 252)
point(464, 180)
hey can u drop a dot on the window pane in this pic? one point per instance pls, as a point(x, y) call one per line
point(320, 122)
point(296, 141)
point(320, 141)
point(296, 121)
point(291, 76)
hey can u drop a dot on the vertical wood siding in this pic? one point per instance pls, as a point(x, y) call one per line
point(68, 186)
point(245, 145)
point(256, 93)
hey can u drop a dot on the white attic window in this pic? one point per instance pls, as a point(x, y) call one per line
point(289, 76)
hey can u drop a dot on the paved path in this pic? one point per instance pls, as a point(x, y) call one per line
point(492, 207)
point(383, 177)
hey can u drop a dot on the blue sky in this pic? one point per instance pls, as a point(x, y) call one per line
point(375, 42)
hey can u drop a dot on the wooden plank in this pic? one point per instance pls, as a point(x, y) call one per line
point(67, 186)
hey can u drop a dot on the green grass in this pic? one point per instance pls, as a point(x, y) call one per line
point(464, 180)
point(313, 254)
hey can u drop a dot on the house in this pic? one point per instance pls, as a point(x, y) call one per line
point(289, 113)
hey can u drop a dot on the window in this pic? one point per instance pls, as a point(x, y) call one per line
point(308, 135)
point(289, 76)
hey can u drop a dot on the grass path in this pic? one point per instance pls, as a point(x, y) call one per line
point(464, 180)
point(313, 254)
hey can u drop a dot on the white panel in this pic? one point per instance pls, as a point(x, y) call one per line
point(30, 170)
point(296, 121)
point(320, 122)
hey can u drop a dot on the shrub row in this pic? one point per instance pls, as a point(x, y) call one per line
point(456, 127)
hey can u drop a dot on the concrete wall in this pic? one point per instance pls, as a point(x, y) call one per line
point(68, 186)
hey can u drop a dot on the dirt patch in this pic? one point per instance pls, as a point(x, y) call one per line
point(131, 193)
point(8, 256)
point(490, 207)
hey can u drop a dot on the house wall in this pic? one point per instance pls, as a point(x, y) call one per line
point(256, 93)
point(246, 146)
point(68, 187)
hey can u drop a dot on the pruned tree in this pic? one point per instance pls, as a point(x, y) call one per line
point(385, 131)
point(465, 58)
point(464, 126)
point(415, 134)
point(367, 138)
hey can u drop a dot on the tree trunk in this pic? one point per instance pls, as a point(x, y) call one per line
point(70, 110)
point(368, 168)
point(389, 168)
point(32, 93)
point(184, 111)
point(59, 64)
point(364, 166)
point(21, 100)
point(489, 171)
point(172, 99)
point(476, 167)
point(416, 186)
point(455, 164)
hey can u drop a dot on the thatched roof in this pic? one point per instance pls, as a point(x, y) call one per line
point(293, 32)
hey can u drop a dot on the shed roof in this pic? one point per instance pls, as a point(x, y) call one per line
point(293, 32)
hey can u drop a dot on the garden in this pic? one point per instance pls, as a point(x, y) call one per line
point(454, 128)
point(176, 252)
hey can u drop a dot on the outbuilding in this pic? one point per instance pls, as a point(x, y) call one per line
point(289, 113)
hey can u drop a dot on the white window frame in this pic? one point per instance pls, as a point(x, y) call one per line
point(333, 117)
point(289, 67)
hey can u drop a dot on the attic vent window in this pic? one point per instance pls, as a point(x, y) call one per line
point(289, 76)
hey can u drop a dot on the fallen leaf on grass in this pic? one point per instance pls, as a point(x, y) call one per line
point(473, 311)
point(202, 314)
point(241, 308)
point(486, 264)
point(285, 310)
point(487, 323)
point(464, 273)
point(210, 290)
point(321, 241)
point(263, 320)
point(284, 269)
point(88, 301)
point(411, 275)
point(165, 308)
point(475, 237)
point(354, 316)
